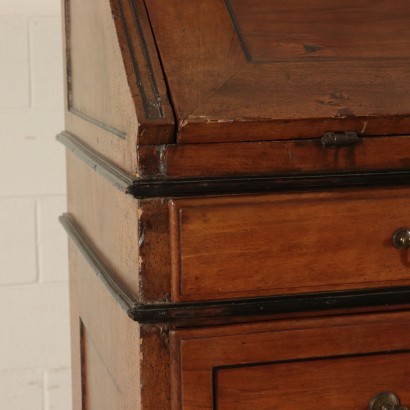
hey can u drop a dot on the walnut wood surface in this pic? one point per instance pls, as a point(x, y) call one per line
point(117, 364)
point(108, 217)
point(335, 383)
point(235, 74)
point(276, 244)
point(99, 106)
point(105, 373)
point(116, 93)
point(321, 30)
point(214, 88)
point(272, 157)
point(144, 73)
point(131, 236)
point(205, 358)
point(154, 250)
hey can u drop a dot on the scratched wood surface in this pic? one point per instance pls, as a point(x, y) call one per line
point(262, 70)
point(333, 363)
point(116, 94)
point(273, 157)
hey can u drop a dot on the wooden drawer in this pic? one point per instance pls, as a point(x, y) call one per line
point(288, 243)
point(335, 363)
point(218, 248)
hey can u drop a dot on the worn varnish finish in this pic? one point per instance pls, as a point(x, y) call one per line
point(239, 75)
point(243, 246)
point(131, 236)
point(272, 158)
point(235, 310)
point(234, 96)
point(205, 357)
point(125, 103)
point(107, 348)
point(102, 378)
point(287, 243)
point(108, 217)
point(99, 105)
point(295, 384)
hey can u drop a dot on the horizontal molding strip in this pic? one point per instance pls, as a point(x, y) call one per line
point(125, 300)
point(157, 188)
point(214, 311)
point(119, 178)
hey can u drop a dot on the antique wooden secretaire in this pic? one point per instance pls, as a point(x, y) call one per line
point(238, 203)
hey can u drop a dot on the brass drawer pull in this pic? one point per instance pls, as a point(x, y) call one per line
point(386, 401)
point(401, 238)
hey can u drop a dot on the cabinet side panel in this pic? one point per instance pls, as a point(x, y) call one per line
point(106, 344)
point(109, 219)
point(99, 104)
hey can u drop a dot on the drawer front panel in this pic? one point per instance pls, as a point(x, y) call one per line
point(288, 243)
point(335, 383)
point(333, 363)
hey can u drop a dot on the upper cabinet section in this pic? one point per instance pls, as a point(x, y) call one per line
point(114, 77)
point(240, 70)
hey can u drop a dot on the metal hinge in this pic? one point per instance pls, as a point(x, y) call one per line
point(339, 139)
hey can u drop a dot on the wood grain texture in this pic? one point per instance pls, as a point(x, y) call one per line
point(219, 95)
point(109, 218)
point(156, 380)
point(104, 373)
point(118, 364)
point(265, 245)
point(100, 108)
point(199, 353)
point(144, 73)
point(321, 30)
point(116, 95)
point(154, 251)
point(130, 236)
point(336, 383)
point(272, 157)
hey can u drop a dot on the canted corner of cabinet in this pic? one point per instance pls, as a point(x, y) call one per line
point(154, 251)
point(114, 79)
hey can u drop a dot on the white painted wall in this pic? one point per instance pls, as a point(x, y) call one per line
point(34, 329)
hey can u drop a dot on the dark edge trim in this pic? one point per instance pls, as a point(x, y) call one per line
point(238, 31)
point(264, 184)
point(119, 178)
point(217, 369)
point(313, 359)
point(184, 187)
point(126, 301)
point(69, 80)
point(98, 123)
point(83, 368)
point(152, 108)
point(67, 51)
point(246, 307)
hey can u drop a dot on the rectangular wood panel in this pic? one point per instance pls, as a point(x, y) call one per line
point(273, 70)
point(288, 243)
point(333, 363)
point(337, 383)
point(100, 390)
point(274, 157)
point(321, 29)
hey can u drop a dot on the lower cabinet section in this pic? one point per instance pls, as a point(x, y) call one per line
point(337, 363)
